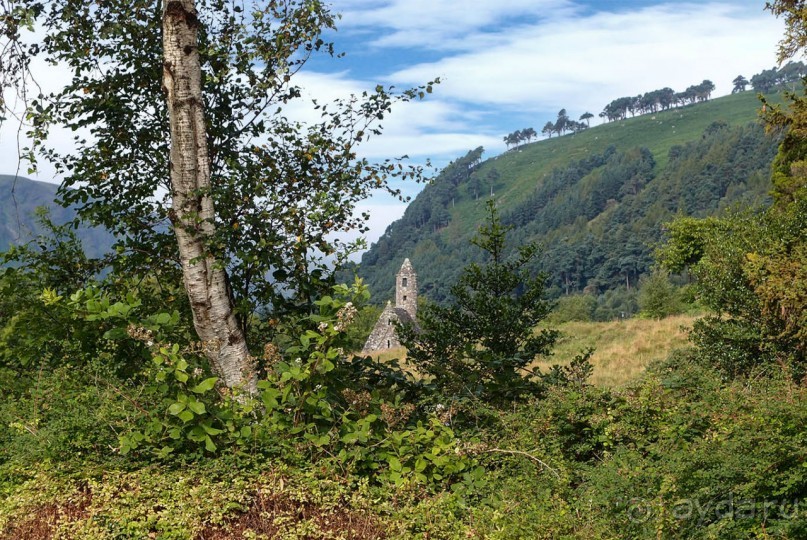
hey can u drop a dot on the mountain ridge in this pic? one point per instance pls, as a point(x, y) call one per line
point(720, 143)
point(19, 199)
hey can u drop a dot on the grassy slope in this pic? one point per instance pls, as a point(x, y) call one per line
point(622, 349)
point(521, 169)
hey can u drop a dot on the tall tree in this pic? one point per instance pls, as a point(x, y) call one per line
point(255, 197)
point(481, 344)
point(194, 213)
point(561, 122)
point(586, 117)
point(704, 90)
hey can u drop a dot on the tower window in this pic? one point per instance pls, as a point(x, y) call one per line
point(388, 344)
point(389, 322)
point(404, 298)
point(403, 282)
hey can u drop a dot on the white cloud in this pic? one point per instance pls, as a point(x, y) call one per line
point(583, 63)
point(432, 128)
point(586, 62)
point(443, 24)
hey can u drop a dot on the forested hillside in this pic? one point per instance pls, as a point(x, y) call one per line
point(596, 200)
point(19, 200)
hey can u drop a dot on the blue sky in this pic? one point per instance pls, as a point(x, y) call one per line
point(510, 64)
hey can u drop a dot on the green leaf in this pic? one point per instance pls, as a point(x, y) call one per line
point(176, 408)
point(210, 430)
point(186, 416)
point(205, 385)
point(197, 406)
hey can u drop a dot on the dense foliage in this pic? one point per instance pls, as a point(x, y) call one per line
point(112, 426)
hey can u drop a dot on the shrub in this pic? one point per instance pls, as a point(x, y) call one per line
point(658, 297)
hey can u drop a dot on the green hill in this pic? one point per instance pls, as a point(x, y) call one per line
point(596, 199)
point(20, 197)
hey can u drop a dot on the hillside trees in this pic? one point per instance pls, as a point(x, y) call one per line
point(655, 100)
point(765, 80)
point(562, 122)
point(740, 83)
point(243, 199)
point(519, 136)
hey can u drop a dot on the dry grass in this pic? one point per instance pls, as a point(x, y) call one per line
point(623, 349)
point(273, 515)
point(390, 354)
point(43, 520)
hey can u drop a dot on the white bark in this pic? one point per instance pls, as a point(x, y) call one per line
point(193, 212)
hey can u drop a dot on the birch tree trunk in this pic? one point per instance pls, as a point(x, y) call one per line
point(193, 213)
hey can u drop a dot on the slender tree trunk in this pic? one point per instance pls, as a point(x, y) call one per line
point(193, 214)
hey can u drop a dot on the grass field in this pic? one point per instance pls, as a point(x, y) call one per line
point(623, 349)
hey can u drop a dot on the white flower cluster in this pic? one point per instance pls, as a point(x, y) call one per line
point(345, 316)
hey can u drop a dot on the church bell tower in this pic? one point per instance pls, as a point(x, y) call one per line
point(406, 289)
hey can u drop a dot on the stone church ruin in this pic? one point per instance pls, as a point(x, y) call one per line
point(383, 335)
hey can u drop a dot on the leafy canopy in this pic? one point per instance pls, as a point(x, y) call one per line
point(281, 187)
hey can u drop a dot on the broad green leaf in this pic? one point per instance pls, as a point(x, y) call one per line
point(205, 385)
point(176, 408)
point(197, 406)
